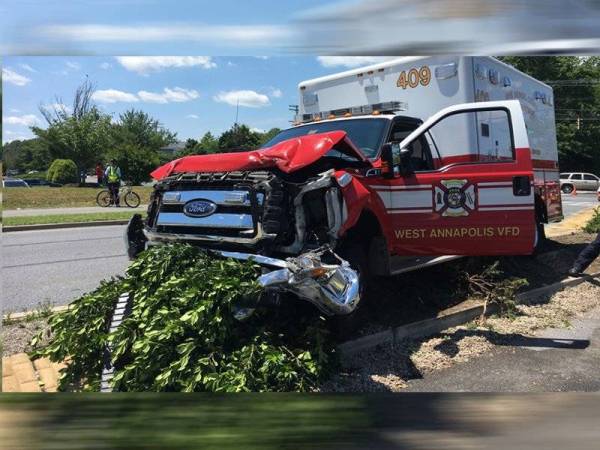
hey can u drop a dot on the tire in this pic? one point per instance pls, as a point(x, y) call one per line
point(104, 199)
point(567, 188)
point(132, 200)
point(540, 238)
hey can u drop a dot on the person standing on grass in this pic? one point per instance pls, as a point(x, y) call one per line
point(100, 172)
point(112, 175)
point(585, 258)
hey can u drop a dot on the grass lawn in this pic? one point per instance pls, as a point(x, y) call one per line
point(63, 197)
point(67, 218)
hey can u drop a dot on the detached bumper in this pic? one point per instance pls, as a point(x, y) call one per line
point(333, 288)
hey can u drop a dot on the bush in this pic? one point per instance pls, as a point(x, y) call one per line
point(593, 226)
point(63, 171)
point(181, 334)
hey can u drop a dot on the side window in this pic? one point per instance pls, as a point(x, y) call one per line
point(576, 176)
point(589, 177)
point(474, 136)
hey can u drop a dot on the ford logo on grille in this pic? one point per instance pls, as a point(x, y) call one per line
point(199, 208)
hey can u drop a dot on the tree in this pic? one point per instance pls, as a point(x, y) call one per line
point(266, 137)
point(82, 134)
point(29, 154)
point(138, 128)
point(575, 82)
point(208, 144)
point(238, 138)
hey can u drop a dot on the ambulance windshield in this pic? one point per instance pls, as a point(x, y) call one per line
point(366, 134)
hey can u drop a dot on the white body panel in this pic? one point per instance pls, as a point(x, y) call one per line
point(453, 81)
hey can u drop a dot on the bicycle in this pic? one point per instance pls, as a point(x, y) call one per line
point(131, 199)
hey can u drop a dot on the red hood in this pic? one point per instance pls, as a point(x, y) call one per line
point(288, 156)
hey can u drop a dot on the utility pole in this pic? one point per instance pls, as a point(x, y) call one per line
point(295, 109)
point(237, 112)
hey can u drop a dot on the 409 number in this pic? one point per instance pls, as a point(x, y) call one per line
point(414, 77)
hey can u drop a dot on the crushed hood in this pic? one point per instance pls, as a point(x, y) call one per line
point(287, 156)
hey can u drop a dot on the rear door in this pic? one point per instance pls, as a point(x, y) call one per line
point(466, 203)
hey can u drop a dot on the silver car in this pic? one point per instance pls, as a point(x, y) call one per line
point(580, 181)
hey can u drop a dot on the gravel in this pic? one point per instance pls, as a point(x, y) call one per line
point(389, 368)
point(15, 337)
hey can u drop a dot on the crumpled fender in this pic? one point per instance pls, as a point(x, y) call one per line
point(355, 195)
point(288, 156)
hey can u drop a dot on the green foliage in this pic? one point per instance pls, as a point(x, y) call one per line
point(29, 154)
point(138, 128)
point(181, 334)
point(135, 162)
point(266, 137)
point(62, 171)
point(238, 138)
point(593, 226)
point(81, 139)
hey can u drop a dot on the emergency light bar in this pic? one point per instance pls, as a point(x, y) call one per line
point(374, 109)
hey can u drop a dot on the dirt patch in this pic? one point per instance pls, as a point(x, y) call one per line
point(15, 337)
point(428, 293)
point(389, 368)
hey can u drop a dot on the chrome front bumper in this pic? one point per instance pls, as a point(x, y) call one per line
point(333, 288)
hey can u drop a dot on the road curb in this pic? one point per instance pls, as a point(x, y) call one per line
point(52, 226)
point(18, 317)
point(435, 325)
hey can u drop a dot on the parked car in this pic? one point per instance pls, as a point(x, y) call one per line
point(35, 182)
point(14, 182)
point(598, 194)
point(580, 181)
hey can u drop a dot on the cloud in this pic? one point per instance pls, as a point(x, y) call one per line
point(168, 95)
point(350, 61)
point(177, 95)
point(58, 106)
point(258, 130)
point(73, 65)
point(192, 116)
point(276, 92)
point(28, 68)
point(146, 64)
point(113, 96)
point(247, 98)
point(27, 120)
point(246, 35)
point(12, 77)
point(105, 66)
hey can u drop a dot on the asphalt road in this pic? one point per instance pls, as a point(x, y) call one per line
point(554, 360)
point(57, 266)
point(583, 200)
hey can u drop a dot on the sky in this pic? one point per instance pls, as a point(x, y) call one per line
point(189, 95)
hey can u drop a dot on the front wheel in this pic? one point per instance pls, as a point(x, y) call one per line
point(132, 200)
point(540, 238)
point(104, 199)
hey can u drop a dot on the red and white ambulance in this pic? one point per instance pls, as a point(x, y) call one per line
point(389, 168)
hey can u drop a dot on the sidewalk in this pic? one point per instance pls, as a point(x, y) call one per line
point(55, 211)
point(571, 224)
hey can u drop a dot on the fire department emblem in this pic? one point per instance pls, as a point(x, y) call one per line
point(455, 198)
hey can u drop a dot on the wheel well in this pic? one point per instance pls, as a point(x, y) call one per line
point(366, 228)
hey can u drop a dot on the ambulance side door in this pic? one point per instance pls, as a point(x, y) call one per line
point(461, 203)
